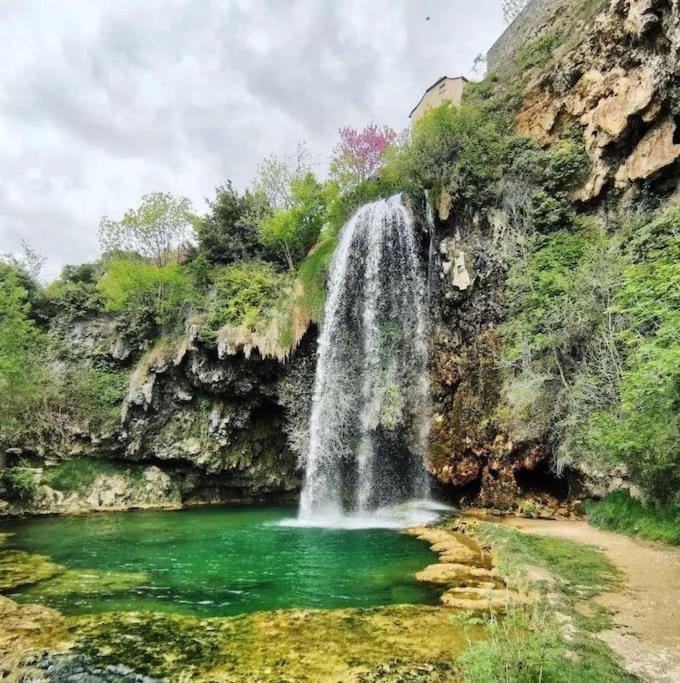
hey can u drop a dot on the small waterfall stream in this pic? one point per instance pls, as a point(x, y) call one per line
point(370, 417)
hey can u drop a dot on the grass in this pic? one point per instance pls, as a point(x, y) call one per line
point(78, 474)
point(526, 646)
point(312, 275)
point(554, 642)
point(620, 512)
point(580, 570)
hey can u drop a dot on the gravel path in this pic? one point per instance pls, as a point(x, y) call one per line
point(647, 608)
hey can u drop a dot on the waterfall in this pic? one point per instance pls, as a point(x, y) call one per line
point(369, 424)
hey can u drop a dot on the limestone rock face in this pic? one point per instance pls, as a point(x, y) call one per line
point(453, 265)
point(655, 151)
point(618, 85)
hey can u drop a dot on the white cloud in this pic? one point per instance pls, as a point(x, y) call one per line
point(103, 101)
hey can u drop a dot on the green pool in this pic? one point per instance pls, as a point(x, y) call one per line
point(217, 562)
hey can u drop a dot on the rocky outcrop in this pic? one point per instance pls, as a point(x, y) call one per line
point(219, 416)
point(466, 570)
point(620, 85)
point(196, 426)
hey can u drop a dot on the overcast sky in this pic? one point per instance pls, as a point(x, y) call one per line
point(102, 101)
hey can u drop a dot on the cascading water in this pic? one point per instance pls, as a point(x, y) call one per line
point(369, 424)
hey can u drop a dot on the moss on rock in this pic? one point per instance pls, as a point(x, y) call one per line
point(18, 568)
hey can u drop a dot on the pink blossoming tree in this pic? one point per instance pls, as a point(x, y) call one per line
point(359, 154)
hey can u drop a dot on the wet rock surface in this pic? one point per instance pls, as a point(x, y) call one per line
point(466, 571)
point(48, 668)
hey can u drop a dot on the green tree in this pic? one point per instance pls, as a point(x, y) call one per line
point(137, 288)
point(156, 229)
point(295, 230)
point(22, 345)
point(454, 147)
point(229, 232)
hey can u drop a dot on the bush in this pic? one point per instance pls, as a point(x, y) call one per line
point(140, 291)
point(20, 484)
point(458, 148)
point(241, 293)
point(95, 396)
point(598, 318)
point(79, 474)
point(620, 512)
point(537, 53)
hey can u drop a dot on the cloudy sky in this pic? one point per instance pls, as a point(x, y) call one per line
point(102, 101)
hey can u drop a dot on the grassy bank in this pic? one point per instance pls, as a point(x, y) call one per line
point(554, 641)
point(619, 512)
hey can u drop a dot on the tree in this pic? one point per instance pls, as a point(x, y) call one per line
point(295, 230)
point(21, 346)
point(512, 8)
point(156, 230)
point(276, 175)
point(229, 232)
point(29, 261)
point(139, 289)
point(359, 154)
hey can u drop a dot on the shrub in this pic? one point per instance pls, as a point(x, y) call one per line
point(20, 484)
point(620, 512)
point(134, 287)
point(94, 396)
point(242, 292)
point(459, 148)
point(537, 53)
point(78, 474)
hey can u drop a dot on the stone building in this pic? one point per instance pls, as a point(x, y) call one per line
point(536, 18)
point(445, 88)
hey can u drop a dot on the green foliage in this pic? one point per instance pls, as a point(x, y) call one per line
point(312, 274)
point(527, 647)
point(522, 647)
point(620, 512)
point(568, 164)
point(540, 292)
point(595, 322)
point(341, 205)
point(581, 571)
point(241, 293)
point(458, 148)
point(22, 344)
point(157, 229)
point(94, 396)
point(229, 232)
point(538, 52)
point(163, 295)
point(20, 484)
point(73, 295)
point(498, 97)
point(78, 474)
point(296, 229)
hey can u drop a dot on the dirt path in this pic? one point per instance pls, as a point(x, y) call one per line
point(647, 609)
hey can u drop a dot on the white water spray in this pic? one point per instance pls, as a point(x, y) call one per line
point(370, 417)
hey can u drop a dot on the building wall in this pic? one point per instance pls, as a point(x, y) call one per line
point(530, 23)
point(449, 89)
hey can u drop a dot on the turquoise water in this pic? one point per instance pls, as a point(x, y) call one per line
point(218, 562)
